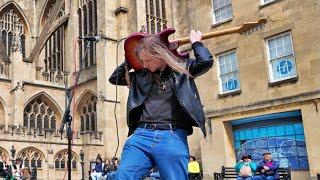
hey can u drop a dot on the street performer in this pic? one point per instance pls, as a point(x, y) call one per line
point(163, 105)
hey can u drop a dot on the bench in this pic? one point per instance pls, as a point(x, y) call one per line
point(230, 172)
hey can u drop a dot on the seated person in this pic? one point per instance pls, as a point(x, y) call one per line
point(268, 168)
point(245, 168)
point(97, 170)
point(193, 169)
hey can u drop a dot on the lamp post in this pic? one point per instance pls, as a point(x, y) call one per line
point(82, 163)
point(13, 153)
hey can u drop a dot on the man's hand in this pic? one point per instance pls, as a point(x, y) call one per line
point(263, 170)
point(266, 167)
point(195, 36)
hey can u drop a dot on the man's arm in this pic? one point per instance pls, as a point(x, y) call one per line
point(118, 76)
point(203, 60)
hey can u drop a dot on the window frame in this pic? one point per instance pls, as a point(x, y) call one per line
point(271, 75)
point(221, 92)
point(264, 3)
point(214, 22)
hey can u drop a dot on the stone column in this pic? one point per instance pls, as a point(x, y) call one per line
point(311, 125)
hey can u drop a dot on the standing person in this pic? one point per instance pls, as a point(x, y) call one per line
point(246, 168)
point(268, 168)
point(194, 169)
point(4, 172)
point(163, 105)
point(17, 168)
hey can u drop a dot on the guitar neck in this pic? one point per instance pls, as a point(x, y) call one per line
point(209, 35)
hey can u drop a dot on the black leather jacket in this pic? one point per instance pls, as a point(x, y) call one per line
point(185, 88)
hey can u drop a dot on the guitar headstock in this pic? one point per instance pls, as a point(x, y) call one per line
point(249, 27)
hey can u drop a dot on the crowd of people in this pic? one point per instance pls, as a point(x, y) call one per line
point(14, 171)
point(246, 169)
point(106, 169)
point(267, 168)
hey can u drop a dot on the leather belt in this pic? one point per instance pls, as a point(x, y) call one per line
point(154, 126)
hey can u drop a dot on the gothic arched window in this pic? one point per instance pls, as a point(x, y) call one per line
point(37, 114)
point(155, 15)
point(88, 117)
point(52, 66)
point(10, 23)
point(87, 24)
point(61, 159)
point(31, 157)
point(3, 152)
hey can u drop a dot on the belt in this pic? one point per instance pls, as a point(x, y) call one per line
point(154, 126)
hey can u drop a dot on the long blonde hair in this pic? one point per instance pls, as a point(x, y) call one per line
point(154, 46)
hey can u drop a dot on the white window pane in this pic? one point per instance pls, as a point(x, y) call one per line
point(229, 14)
point(280, 51)
point(273, 53)
point(236, 75)
point(218, 18)
point(279, 41)
point(222, 69)
point(229, 11)
point(292, 69)
point(288, 49)
point(221, 60)
point(228, 67)
point(287, 39)
point(223, 14)
point(215, 4)
point(233, 57)
point(266, 1)
point(224, 78)
point(224, 87)
point(272, 43)
point(221, 3)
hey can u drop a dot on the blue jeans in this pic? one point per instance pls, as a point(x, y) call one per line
point(244, 178)
point(145, 148)
point(263, 177)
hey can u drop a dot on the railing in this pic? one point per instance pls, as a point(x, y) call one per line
point(54, 76)
point(47, 135)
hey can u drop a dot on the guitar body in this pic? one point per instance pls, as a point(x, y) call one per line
point(134, 39)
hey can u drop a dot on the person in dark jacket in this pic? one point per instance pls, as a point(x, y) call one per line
point(98, 169)
point(163, 105)
point(268, 168)
point(4, 168)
